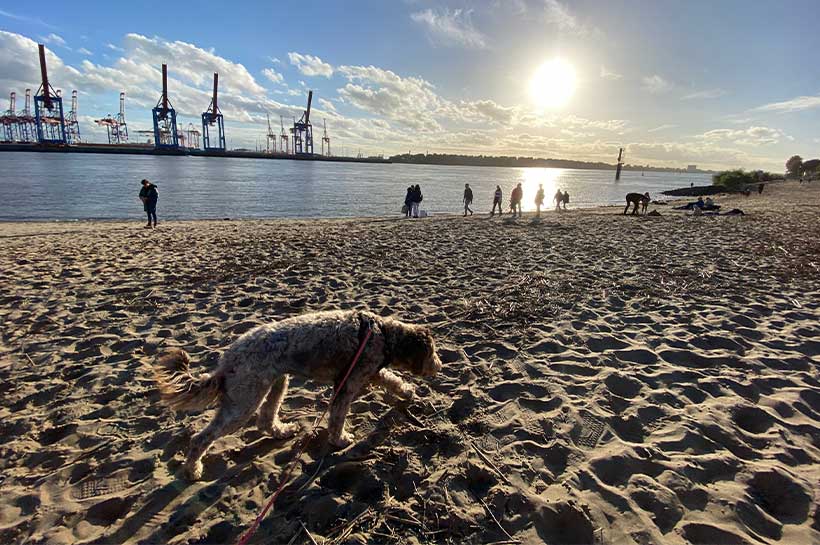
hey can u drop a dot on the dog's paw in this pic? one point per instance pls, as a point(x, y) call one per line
point(284, 431)
point(343, 441)
point(406, 392)
point(194, 472)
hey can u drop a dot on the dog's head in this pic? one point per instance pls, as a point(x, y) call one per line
point(415, 351)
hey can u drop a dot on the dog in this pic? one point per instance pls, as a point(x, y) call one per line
point(253, 373)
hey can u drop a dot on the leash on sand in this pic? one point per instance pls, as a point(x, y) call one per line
point(305, 439)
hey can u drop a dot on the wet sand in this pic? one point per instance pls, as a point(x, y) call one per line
point(607, 378)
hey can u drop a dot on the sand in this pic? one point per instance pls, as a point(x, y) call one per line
point(608, 379)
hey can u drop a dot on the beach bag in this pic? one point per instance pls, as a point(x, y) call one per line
point(404, 209)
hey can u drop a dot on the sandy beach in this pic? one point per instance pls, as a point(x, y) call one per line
point(607, 379)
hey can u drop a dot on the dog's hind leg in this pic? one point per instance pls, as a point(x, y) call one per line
point(268, 419)
point(230, 416)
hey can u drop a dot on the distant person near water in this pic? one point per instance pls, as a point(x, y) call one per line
point(637, 199)
point(149, 197)
point(498, 196)
point(515, 199)
point(416, 199)
point(468, 199)
point(539, 200)
point(565, 198)
point(558, 199)
point(408, 202)
point(760, 189)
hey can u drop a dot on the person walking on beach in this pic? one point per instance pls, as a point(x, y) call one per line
point(149, 197)
point(497, 198)
point(468, 199)
point(515, 199)
point(558, 199)
point(416, 199)
point(408, 202)
point(759, 189)
point(565, 198)
point(539, 200)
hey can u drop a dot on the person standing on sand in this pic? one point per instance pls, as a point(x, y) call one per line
point(149, 197)
point(408, 202)
point(565, 198)
point(539, 200)
point(468, 199)
point(558, 199)
point(515, 199)
point(497, 198)
point(759, 189)
point(416, 200)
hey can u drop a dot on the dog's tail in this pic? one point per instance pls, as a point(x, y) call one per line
point(179, 389)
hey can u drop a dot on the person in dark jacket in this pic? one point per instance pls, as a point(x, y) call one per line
point(468, 199)
point(408, 202)
point(497, 198)
point(149, 197)
point(515, 200)
point(417, 198)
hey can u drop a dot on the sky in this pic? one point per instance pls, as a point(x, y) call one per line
point(718, 84)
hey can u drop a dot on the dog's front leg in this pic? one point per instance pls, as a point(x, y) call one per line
point(393, 383)
point(337, 436)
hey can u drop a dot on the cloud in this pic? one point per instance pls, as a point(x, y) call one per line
point(709, 93)
point(24, 18)
point(558, 15)
point(752, 136)
point(655, 84)
point(84, 51)
point(54, 39)
point(310, 65)
point(796, 104)
point(273, 75)
point(607, 74)
point(662, 128)
point(450, 28)
point(113, 47)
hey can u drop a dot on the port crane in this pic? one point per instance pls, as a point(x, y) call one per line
point(165, 118)
point(48, 108)
point(213, 117)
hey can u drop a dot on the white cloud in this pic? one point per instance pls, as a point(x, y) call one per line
point(794, 105)
point(558, 15)
point(662, 128)
point(327, 105)
point(708, 93)
point(310, 65)
point(451, 28)
point(84, 51)
point(24, 18)
point(752, 136)
point(607, 74)
point(113, 47)
point(54, 39)
point(273, 75)
point(655, 84)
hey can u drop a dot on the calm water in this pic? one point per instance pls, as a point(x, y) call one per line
point(86, 186)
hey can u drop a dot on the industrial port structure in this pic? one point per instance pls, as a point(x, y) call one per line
point(49, 129)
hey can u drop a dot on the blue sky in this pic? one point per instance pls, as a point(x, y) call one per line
point(718, 84)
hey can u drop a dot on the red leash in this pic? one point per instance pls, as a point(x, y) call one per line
point(286, 474)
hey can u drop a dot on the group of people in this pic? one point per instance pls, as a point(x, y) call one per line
point(561, 198)
point(412, 201)
point(516, 196)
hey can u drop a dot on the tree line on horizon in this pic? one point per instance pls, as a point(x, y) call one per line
point(738, 179)
point(511, 161)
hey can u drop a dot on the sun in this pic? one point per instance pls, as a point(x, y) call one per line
point(553, 84)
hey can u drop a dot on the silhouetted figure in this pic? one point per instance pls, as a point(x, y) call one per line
point(539, 200)
point(558, 199)
point(760, 189)
point(515, 199)
point(149, 197)
point(636, 199)
point(408, 202)
point(468, 199)
point(565, 198)
point(417, 198)
point(497, 199)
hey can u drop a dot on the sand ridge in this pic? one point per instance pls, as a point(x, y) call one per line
point(607, 379)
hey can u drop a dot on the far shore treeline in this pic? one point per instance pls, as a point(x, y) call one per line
point(737, 179)
point(508, 161)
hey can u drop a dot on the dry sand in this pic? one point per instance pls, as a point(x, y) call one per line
point(608, 379)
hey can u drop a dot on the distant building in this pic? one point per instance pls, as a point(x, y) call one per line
point(691, 168)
